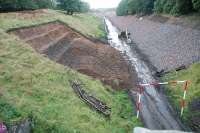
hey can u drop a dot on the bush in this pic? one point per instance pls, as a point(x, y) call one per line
point(122, 8)
point(184, 6)
point(132, 7)
point(196, 4)
point(169, 5)
point(26, 5)
point(174, 11)
point(135, 6)
point(44, 4)
point(158, 6)
point(174, 7)
point(71, 6)
point(18, 5)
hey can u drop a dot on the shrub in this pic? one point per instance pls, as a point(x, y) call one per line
point(132, 7)
point(16, 5)
point(122, 8)
point(196, 4)
point(168, 6)
point(184, 6)
point(174, 11)
point(71, 6)
point(135, 6)
point(158, 6)
point(174, 7)
point(44, 4)
point(25, 5)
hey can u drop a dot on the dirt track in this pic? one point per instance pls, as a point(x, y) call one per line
point(68, 47)
point(167, 45)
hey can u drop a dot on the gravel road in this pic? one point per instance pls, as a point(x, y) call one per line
point(166, 45)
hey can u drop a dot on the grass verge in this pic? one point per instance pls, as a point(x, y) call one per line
point(85, 23)
point(176, 93)
point(33, 86)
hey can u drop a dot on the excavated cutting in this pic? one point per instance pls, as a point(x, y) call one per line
point(68, 47)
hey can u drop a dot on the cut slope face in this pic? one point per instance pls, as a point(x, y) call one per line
point(65, 46)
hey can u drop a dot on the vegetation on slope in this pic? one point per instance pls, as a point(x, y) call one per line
point(85, 23)
point(70, 6)
point(175, 93)
point(20, 5)
point(174, 7)
point(33, 86)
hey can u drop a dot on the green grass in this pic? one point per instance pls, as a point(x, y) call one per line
point(33, 86)
point(85, 23)
point(176, 93)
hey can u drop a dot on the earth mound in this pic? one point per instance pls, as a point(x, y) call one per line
point(69, 47)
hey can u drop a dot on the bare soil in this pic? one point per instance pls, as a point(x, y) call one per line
point(68, 47)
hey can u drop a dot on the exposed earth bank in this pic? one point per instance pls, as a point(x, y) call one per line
point(168, 45)
point(68, 47)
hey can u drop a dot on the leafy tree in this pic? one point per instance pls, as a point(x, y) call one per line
point(174, 7)
point(184, 6)
point(122, 8)
point(26, 4)
point(132, 8)
point(144, 6)
point(8, 5)
point(44, 3)
point(16, 5)
point(196, 4)
point(168, 6)
point(135, 6)
point(71, 6)
point(84, 7)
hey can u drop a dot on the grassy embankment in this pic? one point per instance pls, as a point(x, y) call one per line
point(175, 93)
point(32, 85)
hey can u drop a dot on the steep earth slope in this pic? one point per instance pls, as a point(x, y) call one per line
point(32, 86)
point(68, 47)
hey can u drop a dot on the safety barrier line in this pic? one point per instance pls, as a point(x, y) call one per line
point(163, 83)
point(141, 88)
point(185, 88)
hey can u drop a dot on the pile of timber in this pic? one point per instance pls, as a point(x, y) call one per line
point(93, 102)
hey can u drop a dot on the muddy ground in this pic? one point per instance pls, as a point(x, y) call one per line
point(68, 47)
point(167, 44)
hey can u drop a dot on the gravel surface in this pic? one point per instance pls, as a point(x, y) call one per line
point(166, 45)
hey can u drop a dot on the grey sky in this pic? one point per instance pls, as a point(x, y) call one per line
point(103, 3)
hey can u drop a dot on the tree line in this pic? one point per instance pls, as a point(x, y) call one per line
point(70, 6)
point(174, 7)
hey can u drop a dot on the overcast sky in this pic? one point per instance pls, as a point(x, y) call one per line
point(103, 3)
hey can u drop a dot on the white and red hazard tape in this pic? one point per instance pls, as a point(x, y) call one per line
point(155, 84)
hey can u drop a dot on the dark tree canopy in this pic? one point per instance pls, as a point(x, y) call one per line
point(18, 5)
point(71, 6)
point(174, 7)
point(135, 6)
point(122, 8)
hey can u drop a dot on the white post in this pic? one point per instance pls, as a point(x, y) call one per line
point(184, 97)
point(138, 105)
